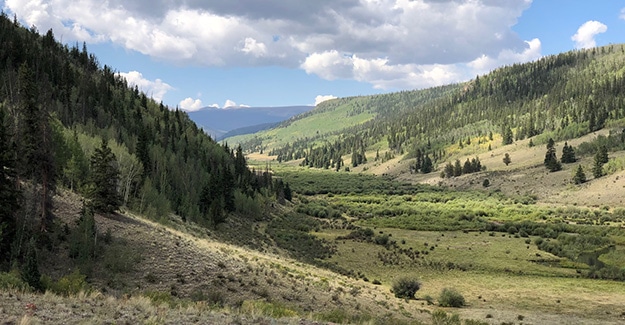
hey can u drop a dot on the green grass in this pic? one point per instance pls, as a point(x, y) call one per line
point(324, 123)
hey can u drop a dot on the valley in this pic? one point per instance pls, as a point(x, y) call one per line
point(493, 201)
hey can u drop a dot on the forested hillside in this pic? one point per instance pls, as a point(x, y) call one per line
point(67, 122)
point(561, 96)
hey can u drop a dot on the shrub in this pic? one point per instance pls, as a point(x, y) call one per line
point(70, 284)
point(270, 309)
point(12, 281)
point(440, 317)
point(406, 287)
point(381, 240)
point(451, 298)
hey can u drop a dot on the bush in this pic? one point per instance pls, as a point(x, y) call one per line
point(13, 281)
point(381, 240)
point(273, 310)
point(451, 298)
point(70, 284)
point(440, 317)
point(406, 287)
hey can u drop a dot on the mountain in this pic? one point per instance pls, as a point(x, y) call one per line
point(562, 96)
point(217, 122)
point(125, 210)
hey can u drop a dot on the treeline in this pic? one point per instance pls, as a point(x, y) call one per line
point(562, 96)
point(67, 121)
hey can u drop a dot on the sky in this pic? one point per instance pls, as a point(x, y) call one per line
point(193, 54)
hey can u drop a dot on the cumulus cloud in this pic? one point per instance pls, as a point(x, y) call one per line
point(388, 43)
point(191, 105)
point(322, 98)
point(622, 15)
point(230, 104)
point(585, 36)
point(155, 89)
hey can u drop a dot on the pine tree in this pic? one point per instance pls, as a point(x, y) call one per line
point(602, 154)
point(597, 168)
point(30, 268)
point(466, 168)
point(551, 161)
point(104, 180)
point(568, 154)
point(427, 166)
point(580, 176)
point(9, 193)
point(35, 144)
point(507, 135)
point(449, 170)
point(506, 159)
point(457, 168)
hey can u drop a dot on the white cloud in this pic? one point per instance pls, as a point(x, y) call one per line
point(322, 98)
point(191, 105)
point(622, 15)
point(155, 89)
point(485, 64)
point(229, 104)
point(254, 48)
point(585, 36)
point(388, 43)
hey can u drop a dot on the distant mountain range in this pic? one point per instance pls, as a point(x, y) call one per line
point(221, 123)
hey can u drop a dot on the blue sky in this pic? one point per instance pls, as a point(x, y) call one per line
point(195, 53)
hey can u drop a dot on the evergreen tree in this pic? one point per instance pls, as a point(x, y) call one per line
point(466, 168)
point(9, 193)
point(507, 135)
point(597, 167)
point(568, 154)
point(580, 176)
point(30, 268)
point(427, 166)
point(449, 170)
point(506, 159)
point(602, 154)
point(36, 147)
point(216, 213)
point(288, 193)
point(551, 161)
point(104, 180)
point(457, 168)
point(83, 240)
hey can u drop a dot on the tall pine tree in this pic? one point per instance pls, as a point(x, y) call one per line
point(104, 180)
point(8, 193)
point(551, 161)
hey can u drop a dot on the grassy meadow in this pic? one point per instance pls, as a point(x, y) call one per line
point(511, 257)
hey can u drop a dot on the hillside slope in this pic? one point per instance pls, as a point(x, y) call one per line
point(563, 97)
point(217, 122)
point(195, 276)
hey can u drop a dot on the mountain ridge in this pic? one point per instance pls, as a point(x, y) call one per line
point(219, 121)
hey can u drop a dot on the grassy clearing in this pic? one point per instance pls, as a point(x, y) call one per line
point(501, 273)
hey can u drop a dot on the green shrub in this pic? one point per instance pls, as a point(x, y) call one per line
point(440, 317)
point(70, 284)
point(270, 309)
point(406, 287)
point(12, 281)
point(381, 240)
point(451, 298)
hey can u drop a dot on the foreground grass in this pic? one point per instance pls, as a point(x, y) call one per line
point(501, 277)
